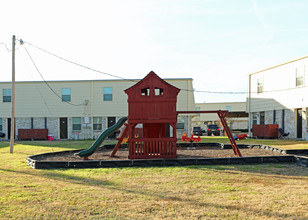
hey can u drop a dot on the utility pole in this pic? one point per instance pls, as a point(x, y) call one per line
point(13, 97)
point(249, 108)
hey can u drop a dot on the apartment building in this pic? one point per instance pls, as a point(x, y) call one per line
point(78, 109)
point(279, 95)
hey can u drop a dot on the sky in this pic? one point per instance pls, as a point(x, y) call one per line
point(217, 43)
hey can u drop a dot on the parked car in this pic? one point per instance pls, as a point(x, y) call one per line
point(197, 131)
point(213, 130)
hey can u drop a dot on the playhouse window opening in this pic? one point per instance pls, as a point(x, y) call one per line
point(145, 91)
point(169, 130)
point(138, 131)
point(158, 91)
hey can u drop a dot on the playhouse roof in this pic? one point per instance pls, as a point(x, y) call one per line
point(150, 78)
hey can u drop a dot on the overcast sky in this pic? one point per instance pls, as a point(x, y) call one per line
point(215, 42)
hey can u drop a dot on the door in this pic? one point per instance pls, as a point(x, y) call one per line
point(111, 121)
point(9, 121)
point(9, 128)
point(262, 118)
point(63, 128)
point(299, 122)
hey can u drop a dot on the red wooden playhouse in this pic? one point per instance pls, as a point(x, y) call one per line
point(152, 118)
point(152, 107)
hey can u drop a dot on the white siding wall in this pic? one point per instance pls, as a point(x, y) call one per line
point(280, 92)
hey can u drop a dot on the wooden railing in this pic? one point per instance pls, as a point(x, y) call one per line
point(144, 148)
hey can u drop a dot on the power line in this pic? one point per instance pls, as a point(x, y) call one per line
point(46, 82)
point(215, 92)
point(80, 65)
point(268, 91)
point(6, 47)
point(188, 90)
point(119, 77)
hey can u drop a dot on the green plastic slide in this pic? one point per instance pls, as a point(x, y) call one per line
point(88, 152)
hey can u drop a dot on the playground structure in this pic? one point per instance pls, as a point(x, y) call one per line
point(240, 136)
point(152, 110)
point(88, 152)
point(221, 114)
point(192, 138)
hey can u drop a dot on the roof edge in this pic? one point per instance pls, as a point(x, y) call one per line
point(94, 80)
point(291, 61)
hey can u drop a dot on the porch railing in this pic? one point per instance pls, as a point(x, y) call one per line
point(145, 148)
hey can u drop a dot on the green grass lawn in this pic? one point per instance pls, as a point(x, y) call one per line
point(271, 191)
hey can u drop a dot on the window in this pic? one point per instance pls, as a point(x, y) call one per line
point(66, 95)
point(0, 124)
point(228, 108)
point(76, 123)
point(145, 91)
point(300, 76)
point(158, 91)
point(31, 123)
point(181, 123)
point(97, 123)
point(7, 95)
point(260, 85)
point(262, 118)
point(282, 118)
point(198, 108)
point(306, 117)
point(254, 118)
point(107, 93)
point(45, 123)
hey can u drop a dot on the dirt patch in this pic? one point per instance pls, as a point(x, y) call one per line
point(182, 152)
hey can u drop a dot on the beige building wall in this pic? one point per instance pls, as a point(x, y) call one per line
point(40, 100)
point(235, 123)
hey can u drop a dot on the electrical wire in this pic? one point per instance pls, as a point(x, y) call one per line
point(119, 77)
point(6, 47)
point(188, 90)
point(80, 65)
point(214, 92)
point(46, 81)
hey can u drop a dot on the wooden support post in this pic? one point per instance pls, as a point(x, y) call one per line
point(222, 115)
point(120, 139)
